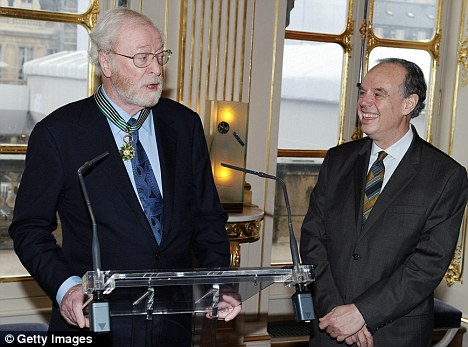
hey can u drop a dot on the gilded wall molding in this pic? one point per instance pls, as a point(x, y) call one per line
point(463, 61)
point(455, 270)
point(215, 49)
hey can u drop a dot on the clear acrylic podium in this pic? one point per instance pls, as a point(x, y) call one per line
point(194, 291)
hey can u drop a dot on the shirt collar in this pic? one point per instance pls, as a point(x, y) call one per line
point(147, 125)
point(398, 149)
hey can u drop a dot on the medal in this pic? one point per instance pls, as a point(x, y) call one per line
point(127, 152)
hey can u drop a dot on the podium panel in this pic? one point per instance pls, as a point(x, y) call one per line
point(194, 291)
point(152, 297)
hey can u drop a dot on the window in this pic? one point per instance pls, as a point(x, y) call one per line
point(318, 58)
point(43, 65)
point(24, 54)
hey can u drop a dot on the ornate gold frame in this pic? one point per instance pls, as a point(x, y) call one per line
point(432, 46)
point(87, 20)
point(344, 40)
point(370, 41)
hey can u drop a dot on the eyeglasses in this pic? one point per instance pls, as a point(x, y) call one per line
point(145, 59)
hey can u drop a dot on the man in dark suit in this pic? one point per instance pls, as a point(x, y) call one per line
point(181, 215)
point(378, 265)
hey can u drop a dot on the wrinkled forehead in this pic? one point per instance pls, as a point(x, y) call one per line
point(385, 76)
point(139, 35)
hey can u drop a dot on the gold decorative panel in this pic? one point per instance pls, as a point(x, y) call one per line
point(215, 51)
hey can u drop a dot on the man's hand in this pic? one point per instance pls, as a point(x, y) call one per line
point(362, 338)
point(71, 307)
point(229, 306)
point(342, 322)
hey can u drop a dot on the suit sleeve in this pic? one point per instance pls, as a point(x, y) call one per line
point(415, 279)
point(35, 218)
point(210, 239)
point(313, 247)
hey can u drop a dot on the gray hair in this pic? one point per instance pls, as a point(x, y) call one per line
point(414, 82)
point(108, 30)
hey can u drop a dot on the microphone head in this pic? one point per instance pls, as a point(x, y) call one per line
point(91, 163)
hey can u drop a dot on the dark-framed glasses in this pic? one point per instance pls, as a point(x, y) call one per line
point(145, 59)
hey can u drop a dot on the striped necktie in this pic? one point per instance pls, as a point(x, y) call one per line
point(373, 185)
point(147, 186)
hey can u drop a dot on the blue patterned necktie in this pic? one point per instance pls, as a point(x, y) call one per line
point(373, 185)
point(147, 186)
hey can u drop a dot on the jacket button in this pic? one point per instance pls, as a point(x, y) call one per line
point(157, 256)
point(356, 256)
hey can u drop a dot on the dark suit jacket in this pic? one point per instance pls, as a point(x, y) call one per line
point(390, 267)
point(194, 220)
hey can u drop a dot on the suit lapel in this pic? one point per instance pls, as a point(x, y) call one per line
point(360, 174)
point(97, 139)
point(401, 178)
point(166, 137)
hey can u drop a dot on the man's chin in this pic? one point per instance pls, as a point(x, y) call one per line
point(153, 100)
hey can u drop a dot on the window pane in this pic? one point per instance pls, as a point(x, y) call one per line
point(310, 95)
point(43, 65)
point(405, 20)
point(424, 61)
point(300, 176)
point(70, 6)
point(315, 15)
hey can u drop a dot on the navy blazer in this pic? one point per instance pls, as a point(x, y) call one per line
point(390, 267)
point(194, 220)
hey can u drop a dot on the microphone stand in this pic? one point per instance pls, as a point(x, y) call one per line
point(302, 298)
point(99, 313)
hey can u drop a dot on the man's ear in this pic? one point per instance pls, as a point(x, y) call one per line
point(410, 103)
point(105, 63)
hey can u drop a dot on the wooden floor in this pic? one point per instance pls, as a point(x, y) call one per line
point(295, 341)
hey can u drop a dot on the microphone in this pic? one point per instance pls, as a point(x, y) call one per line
point(96, 251)
point(99, 312)
point(302, 298)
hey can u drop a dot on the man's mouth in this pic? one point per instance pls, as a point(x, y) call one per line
point(152, 86)
point(369, 116)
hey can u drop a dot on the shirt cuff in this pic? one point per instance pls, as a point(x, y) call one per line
point(70, 282)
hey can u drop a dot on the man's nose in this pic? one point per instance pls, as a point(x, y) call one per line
point(155, 67)
point(366, 98)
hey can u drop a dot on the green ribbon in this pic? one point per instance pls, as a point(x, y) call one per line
point(109, 111)
point(127, 152)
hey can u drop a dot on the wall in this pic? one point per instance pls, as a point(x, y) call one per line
point(197, 73)
point(223, 50)
point(453, 134)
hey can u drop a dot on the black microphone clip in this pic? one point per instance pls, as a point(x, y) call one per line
point(302, 274)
